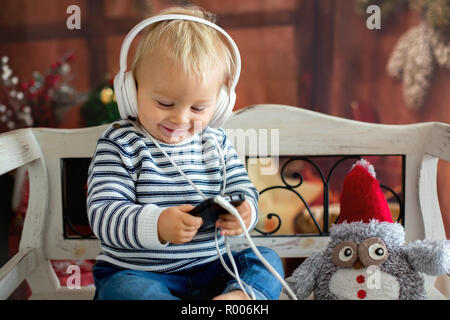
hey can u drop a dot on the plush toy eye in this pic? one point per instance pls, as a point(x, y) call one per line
point(372, 251)
point(376, 251)
point(345, 254)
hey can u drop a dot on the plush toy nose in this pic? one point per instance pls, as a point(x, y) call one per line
point(357, 265)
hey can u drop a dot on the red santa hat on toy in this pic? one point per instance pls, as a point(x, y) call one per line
point(361, 197)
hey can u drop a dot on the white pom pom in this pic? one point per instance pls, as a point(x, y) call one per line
point(366, 165)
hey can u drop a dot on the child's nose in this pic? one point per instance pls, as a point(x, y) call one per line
point(180, 116)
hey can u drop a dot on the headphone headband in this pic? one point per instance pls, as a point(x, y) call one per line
point(125, 85)
point(145, 23)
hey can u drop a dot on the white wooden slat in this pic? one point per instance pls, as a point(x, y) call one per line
point(439, 141)
point(428, 199)
point(43, 279)
point(72, 249)
point(33, 231)
point(311, 133)
point(56, 246)
point(15, 271)
point(57, 144)
point(414, 228)
point(17, 148)
point(68, 143)
point(284, 246)
point(63, 293)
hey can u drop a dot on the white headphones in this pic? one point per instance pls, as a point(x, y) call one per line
point(125, 85)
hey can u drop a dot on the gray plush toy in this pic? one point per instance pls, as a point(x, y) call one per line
point(366, 258)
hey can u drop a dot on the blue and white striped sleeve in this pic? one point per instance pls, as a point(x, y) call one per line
point(238, 180)
point(114, 216)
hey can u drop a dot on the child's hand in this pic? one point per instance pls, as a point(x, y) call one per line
point(176, 225)
point(230, 225)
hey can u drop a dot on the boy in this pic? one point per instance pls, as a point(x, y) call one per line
point(138, 204)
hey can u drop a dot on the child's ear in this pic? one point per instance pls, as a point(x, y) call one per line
point(136, 83)
point(135, 77)
point(227, 82)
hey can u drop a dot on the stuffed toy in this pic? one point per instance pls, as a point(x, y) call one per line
point(366, 257)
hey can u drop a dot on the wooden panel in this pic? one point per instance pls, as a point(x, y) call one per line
point(306, 48)
point(269, 66)
point(17, 12)
point(27, 57)
point(142, 9)
point(113, 44)
point(239, 6)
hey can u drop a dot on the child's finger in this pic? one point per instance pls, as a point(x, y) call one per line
point(186, 207)
point(231, 232)
point(228, 225)
point(228, 217)
point(189, 220)
point(190, 228)
point(188, 235)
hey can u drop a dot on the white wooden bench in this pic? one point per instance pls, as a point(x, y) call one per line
point(299, 132)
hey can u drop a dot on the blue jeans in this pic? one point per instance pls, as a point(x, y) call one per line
point(201, 282)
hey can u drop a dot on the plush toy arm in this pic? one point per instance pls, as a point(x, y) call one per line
point(431, 257)
point(302, 279)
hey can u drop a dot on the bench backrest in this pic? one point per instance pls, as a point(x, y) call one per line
point(283, 130)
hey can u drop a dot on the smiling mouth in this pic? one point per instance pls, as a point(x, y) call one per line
point(174, 132)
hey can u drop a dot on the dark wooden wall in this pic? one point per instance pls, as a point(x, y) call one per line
point(315, 54)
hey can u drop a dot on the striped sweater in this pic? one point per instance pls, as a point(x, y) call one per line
point(130, 182)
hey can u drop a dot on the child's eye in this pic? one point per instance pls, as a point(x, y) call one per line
point(164, 104)
point(198, 109)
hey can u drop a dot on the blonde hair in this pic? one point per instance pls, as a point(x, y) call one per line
point(196, 47)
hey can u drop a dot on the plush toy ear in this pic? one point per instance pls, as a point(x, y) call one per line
point(303, 278)
point(431, 257)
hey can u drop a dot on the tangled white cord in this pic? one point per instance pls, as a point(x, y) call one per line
point(227, 206)
point(231, 209)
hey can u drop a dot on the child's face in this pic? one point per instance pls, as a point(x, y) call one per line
point(171, 105)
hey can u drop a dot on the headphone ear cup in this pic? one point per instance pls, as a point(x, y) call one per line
point(130, 94)
point(224, 107)
point(118, 92)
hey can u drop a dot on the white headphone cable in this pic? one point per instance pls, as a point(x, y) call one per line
point(234, 274)
point(221, 157)
point(224, 204)
point(171, 161)
point(229, 253)
point(227, 206)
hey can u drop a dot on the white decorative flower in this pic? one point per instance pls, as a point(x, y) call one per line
point(65, 68)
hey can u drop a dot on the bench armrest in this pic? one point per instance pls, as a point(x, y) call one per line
point(15, 271)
